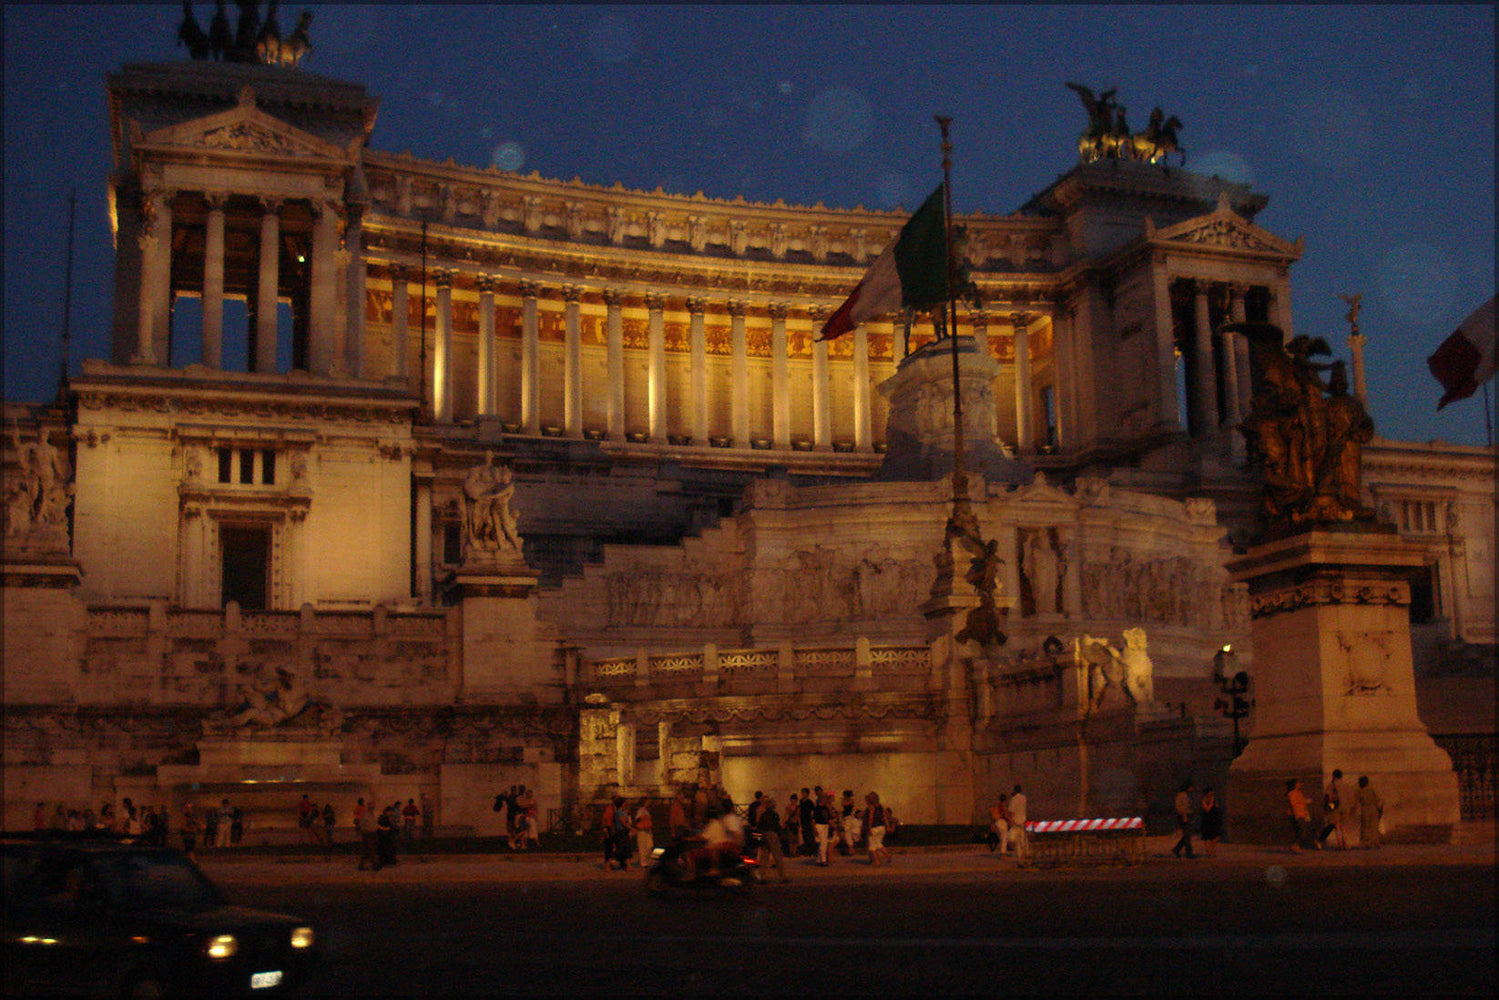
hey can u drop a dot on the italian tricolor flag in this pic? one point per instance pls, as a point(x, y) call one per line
point(911, 273)
point(1466, 358)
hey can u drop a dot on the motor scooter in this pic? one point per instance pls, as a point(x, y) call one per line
point(670, 867)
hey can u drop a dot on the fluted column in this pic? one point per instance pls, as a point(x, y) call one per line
point(156, 280)
point(739, 422)
point(656, 367)
point(530, 359)
point(863, 439)
point(213, 283)
point(572, 364)
point(355, 282)
point(1204, 386)
point(400, 335)
point(1169, 417)
point(1280, 309)
point(780, 379)
point(423, 570)
point(980, 320)
point(323, 351)
point(1025, 427)
point(822, 417)
point(269, 290)
point(487, 373)
point(698, 345)
point(1231, 399)
point(614, 335)
point(1235, 314)
point(442, 349)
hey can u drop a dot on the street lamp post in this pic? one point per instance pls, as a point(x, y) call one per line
point(1235, 703)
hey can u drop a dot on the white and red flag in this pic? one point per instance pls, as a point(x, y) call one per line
point(1465, 360)
point(911, 273)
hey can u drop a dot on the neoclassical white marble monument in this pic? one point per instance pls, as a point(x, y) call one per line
point(526, 480)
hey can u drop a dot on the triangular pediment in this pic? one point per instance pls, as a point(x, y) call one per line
point(1223, 229)
point(242, 130)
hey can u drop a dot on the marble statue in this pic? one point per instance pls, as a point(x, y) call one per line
point(1042, 570)
point(1158, 140)
point(38, 496)
point(1128, 669)
point(489, 522)
point(268, 704)
point(191, 35)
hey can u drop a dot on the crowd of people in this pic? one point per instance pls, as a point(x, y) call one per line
point(1342, 810)
point(815, 825)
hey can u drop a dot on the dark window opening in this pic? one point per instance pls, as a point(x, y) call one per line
point(245, 553)
point(247, 467)
point(1423, 597)
point(268, 468)
point(226, 465)
point(452, 543)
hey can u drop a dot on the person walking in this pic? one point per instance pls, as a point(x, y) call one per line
point(1183, 808)
point(768, 822)
point(1212, 821)
point(999, 824)
point(1334, 806)
point(1370, 814)
point(1298, 813)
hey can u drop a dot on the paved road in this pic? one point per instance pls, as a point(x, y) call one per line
point(1251, 922)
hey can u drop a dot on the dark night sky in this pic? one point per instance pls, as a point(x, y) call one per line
point(1371, 128)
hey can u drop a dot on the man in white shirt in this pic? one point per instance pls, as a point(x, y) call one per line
point(1018, 837)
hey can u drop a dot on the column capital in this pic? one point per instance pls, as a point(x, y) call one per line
point(529, 289)
point(215, 200)
point(442, 277)
point(697, 305)
point(655, 301)
point(979, 318)
point(1238, 289)
point(1021, 320)
point(736, 307)
point(778, 310)
point(485, 283)
point(571, 293)
point(818, 313)
point(613, 297)
point(1201, 286)
point(271, 206)
point(398, 272)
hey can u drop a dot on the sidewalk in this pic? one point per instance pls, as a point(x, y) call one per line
point(1474, 844)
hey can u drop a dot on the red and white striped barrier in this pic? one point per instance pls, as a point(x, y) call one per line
point(1084, 825)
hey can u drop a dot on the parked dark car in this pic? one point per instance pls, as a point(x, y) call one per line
point(99, 916)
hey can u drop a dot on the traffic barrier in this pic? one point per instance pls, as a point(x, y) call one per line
point(1118, 840)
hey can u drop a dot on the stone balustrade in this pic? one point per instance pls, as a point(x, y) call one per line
point(711, 670)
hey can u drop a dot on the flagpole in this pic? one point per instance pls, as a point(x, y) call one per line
point(960, 513)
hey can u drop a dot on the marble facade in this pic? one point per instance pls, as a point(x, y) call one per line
point(727, 528)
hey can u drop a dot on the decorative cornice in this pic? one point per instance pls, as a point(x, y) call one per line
point(1325, 589)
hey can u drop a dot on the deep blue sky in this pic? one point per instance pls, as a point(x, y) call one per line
point(1371, 128)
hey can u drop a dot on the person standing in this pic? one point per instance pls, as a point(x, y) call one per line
point(1298, 813)
point(805, 808)
point(225, 825)
point(677, 815)
point(999, 824)
point(606, 821)
point(874, 820)
point(1212, 821)
point(645, 838)
point(793, 826)
point(429, 821)
point(1018, 835)
point(1333, 809)
point(189, 829)
point(385, 835)
point(1370, 814)
point(327, 819)
point(364, 826)
point(1183, 808)
point(409, 813)
point(822, 822)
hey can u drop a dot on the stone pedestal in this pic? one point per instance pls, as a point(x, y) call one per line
point(919, 434)
point(1334, 686)
point(44, 627)
point(505, 658)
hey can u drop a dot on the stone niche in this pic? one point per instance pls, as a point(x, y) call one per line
point(1335, 687)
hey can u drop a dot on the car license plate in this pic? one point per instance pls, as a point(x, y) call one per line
point(265, 980)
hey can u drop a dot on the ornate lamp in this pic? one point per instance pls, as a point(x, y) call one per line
point(1235, 687)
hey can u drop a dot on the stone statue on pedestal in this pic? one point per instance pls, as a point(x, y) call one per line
point(1128, 669)
point(37, 494)
point(489, 523)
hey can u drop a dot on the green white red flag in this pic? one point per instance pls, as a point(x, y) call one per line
point(911, 273)
point(1465, 360)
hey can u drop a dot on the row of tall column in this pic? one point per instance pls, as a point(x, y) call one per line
point(334, 331)
point(487, 374)
point(1208, 418)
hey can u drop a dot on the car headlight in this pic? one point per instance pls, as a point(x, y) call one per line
point(222, 946)
point(301, 937)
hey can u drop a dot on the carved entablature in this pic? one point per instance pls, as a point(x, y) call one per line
point(243, 131)
point(1328, 588)
point(279, 407)
point(1222, 229)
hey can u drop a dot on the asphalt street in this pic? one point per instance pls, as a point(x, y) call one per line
point(1411, 921)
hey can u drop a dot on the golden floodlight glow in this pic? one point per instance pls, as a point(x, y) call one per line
point(301, 937)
